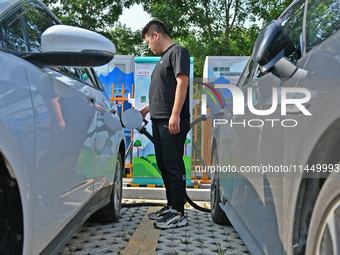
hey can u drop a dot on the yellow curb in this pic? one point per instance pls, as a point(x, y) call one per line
point(145, 238)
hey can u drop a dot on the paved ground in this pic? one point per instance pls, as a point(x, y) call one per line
point(201, 236)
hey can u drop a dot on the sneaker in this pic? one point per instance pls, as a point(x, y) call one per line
point(171, 220)
point(159, 214)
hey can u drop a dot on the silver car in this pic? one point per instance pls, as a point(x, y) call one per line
point(62, 146)
point(275, 157)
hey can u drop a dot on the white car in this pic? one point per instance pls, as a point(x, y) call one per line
point(62, 146)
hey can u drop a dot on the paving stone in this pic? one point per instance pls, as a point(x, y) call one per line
point(201, 236)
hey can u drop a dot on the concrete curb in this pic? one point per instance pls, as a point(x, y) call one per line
point(159, 193)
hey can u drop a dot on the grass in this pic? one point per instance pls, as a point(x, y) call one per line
point(186, 240)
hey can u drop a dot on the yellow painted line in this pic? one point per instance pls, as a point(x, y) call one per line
point(151, 186)
point(145, 238)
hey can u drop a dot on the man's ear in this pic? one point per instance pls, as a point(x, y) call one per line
point(157, 35)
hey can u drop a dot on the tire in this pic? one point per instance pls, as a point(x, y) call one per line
point(217, 214)
point(324, 229)
point(11, 235)
point(111, 212)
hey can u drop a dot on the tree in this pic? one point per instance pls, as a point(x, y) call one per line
point(214, 27)
point(266, 10)
point(208, 19)
point(127, 42)
point(204, 27)
point(90, 14)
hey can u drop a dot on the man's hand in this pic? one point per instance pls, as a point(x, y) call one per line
point(174, 124)
point(145, 110)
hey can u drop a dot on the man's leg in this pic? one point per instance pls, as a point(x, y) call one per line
point(173, 150)
point(158, 127)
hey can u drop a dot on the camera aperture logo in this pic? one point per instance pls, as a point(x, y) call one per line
point(213, 98)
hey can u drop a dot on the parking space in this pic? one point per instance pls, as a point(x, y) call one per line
point(201, 236)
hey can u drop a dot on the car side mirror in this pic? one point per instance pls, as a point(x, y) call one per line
point(64, 45)
point(271, 45)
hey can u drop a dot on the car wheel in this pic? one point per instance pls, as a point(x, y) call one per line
point(118, 187)
point(11, 235)
point(217, 214)
point(111, 212)
point(324, 229)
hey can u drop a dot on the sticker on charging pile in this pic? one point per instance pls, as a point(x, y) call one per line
point(144, 70)
point(212, 97)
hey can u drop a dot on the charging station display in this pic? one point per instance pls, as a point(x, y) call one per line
point(224, 70)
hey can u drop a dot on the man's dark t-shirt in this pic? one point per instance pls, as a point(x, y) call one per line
point(175, 60)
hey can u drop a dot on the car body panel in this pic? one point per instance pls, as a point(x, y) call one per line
point(266, 204)
point(17, 132)
point(63, 117)
point(61, 136)
point(5, 5)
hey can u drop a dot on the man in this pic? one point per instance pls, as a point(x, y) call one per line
point(169, 110)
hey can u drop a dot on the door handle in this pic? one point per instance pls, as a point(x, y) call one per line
point(112, 108)
point(90, 98)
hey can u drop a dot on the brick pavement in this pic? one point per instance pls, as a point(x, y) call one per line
point(201, 236)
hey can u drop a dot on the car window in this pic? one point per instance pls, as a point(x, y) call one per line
point(1, 36)
point(251, 72)
point(72, 72)
point(37, 21)
point(246, 75)
point(292, 22)
point(88, 77)
point(95, 74)
point(81, 74)
point(14, 36)
point(27, 38)
point(323, 20)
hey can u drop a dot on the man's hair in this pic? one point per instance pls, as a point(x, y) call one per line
point(155, 25)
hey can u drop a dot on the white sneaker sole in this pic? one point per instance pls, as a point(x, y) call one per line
point(164, 226)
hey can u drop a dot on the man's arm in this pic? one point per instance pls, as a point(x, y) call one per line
point(180, 95)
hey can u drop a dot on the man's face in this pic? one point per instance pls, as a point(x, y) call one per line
point(152, 42)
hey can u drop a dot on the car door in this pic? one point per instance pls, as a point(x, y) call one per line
point(66, 126)
point(65, 116)
point(259, 200)
point(107, 136)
